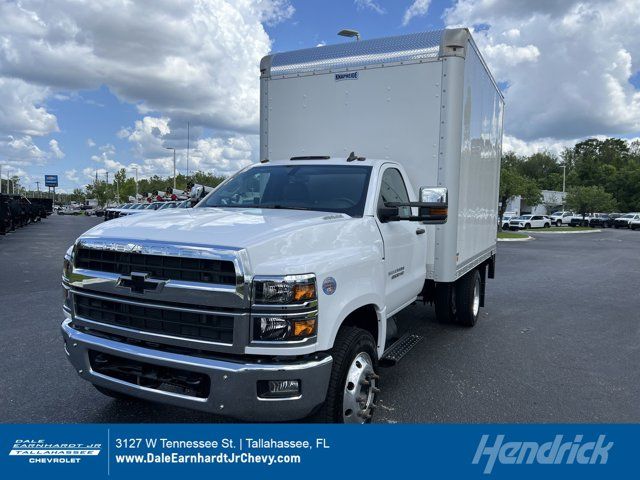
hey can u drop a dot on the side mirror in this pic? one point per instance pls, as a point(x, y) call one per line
point(388, 214)
point(435, 205)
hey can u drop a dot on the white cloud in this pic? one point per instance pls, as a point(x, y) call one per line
point(21, 150)
point(55, 149)
point(370, 5)
point(72, 175)
point(567, 65)
point(21, 110)
point(195, 59)
point(91, 143)
point(418, 8)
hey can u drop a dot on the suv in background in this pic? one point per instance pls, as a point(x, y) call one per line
point(529, 221)
point(625, 220)
point(506, 216)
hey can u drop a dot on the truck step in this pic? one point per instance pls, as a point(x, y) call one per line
point(399, 349)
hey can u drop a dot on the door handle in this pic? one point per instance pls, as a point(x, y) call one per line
point(420, 231)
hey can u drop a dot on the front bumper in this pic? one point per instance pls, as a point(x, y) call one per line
point(233, 384)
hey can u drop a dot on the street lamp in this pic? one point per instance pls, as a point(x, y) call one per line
point(174, 165)
point(349, 33)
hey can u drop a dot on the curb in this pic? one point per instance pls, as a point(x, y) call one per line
point(529, 237)
point(595, 230)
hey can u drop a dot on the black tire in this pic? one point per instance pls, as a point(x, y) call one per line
point(350, 342)
point(113, 394)
point(547, 225)
point(559, 223)
point(616, 227)
point(444, 303)
point(466, 293)
point(527, 225)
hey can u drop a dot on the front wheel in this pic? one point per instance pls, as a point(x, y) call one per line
point(353, 386)
point(559, 223)
point(547, 225)
point(528, 225)
point(468, 298)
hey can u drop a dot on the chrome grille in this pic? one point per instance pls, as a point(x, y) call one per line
point(162, 267)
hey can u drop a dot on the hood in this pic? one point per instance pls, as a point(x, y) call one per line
point(225, 227)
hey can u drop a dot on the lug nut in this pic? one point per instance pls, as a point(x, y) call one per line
point(375, 390)
point(373, 376)
point(365, 383)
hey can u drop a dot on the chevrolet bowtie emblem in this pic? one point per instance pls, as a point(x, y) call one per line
point(139, 282)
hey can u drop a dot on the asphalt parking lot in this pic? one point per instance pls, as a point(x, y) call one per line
point(559, 340)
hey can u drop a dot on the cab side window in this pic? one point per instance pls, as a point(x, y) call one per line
point(392, 189)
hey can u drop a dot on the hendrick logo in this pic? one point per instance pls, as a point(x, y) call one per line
point(346, 76)
point(555, 452)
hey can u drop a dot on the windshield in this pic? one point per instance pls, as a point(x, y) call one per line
point(628, 215)
point(525, 217)
point(326, 188)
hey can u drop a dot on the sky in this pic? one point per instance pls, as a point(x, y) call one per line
point(91, 86)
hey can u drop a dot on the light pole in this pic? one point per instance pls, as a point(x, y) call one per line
point(0, 178)
point(136, 170)
point(174, 165)
point(564, 175)
point(188, 140)
point(349, 33)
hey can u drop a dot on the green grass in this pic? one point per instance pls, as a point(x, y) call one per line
point(561, 229)
point(511, 235)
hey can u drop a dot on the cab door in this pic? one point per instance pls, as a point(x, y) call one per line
point(405, 245)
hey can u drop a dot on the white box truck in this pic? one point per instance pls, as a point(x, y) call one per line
point(275, 296)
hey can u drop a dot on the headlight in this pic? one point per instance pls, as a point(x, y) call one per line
point(292, 292)
point(284, 290)
point(284, 328)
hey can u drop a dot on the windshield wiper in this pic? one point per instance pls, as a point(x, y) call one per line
point(284, 207)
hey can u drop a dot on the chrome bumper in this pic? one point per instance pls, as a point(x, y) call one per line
point(233, 390)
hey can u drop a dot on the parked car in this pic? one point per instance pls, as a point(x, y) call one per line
point(561, 218)
point(624, 221)
point(529, 221)
point(580, 220)
point(506, 216)
point(634, 224)
point(601, 220)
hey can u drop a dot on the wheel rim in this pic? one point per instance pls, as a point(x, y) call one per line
point(476, 298)
point(360, 389)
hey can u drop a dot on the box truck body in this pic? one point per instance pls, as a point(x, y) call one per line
point(424, 100)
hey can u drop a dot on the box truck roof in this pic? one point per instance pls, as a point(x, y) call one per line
point(401, 49)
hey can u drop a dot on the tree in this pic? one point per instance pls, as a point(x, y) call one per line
point(102, 192)
point(589, 199)
point(513, 183)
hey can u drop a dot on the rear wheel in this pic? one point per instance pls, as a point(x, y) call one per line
point(468, 298)
point(547, 225)
point(353, 386)
point(445, 303)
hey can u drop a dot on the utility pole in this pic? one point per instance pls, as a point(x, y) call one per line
point(0, 178)
point(117, 182)
point(188, 139)
point(174, 165)
point(38, 187)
